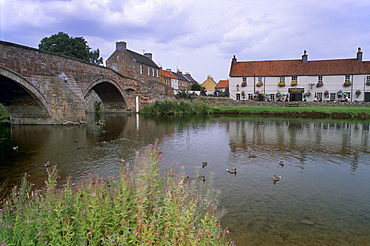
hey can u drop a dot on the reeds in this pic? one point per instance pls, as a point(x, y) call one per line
point(176, 108)
point(142, 206)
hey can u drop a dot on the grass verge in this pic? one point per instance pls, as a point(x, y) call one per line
point(141, 207)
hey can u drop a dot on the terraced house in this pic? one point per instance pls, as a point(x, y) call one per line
point(301, 79)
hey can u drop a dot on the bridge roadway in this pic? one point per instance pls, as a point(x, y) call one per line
point(38, 87)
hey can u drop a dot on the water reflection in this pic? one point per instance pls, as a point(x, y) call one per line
point(324, 179)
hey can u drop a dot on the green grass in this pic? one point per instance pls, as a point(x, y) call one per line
point(321, 112)
point(142, 206)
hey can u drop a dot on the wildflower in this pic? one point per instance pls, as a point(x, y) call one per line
point(38, 234)
point(10, 226)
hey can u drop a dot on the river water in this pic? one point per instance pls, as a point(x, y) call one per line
point(323, 197)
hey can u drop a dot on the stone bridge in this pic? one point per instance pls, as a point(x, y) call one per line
point(38, 87)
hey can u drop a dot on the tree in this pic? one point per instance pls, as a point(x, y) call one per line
point(76, 47)
point(196, 87)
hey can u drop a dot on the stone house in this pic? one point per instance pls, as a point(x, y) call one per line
point(134, 65)
point(301, 79)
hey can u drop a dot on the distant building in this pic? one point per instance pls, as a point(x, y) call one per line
point(222, 85)
point(133, 65)
point(301, 79)
point(209, 84)
point(168, 78)
point(177, 80)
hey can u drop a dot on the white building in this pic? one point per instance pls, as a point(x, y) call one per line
point(299, 80)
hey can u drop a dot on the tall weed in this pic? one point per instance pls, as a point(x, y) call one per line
point(142, 206)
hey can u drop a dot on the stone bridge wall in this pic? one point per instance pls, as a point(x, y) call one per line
point(64, 87)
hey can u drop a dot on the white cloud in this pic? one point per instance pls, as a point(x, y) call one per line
point(198, 36)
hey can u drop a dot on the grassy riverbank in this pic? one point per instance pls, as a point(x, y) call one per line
point(361, 113)
point(318, 112)
point(142, 206)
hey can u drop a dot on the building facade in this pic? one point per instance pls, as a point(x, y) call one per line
point(301, 80)
point(134, 65)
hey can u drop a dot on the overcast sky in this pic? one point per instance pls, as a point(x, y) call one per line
point(198, 36)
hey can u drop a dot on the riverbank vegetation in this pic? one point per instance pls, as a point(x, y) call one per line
point(320, 112)
point(142, 206)
point(4, 115)
point(176, 108)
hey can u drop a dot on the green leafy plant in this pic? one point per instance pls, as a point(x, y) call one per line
point(143, 206)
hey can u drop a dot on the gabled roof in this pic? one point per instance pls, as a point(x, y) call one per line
point(180, 76)
point(142, 59)
point(189, 78)
point(298, 68)
point(168, 74)
point(222, 84)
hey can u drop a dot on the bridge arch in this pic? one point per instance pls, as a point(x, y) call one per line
point(23, 100)
point(110, 93)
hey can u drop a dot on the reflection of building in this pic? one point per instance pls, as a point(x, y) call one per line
point(279, 135)
point(298, 80)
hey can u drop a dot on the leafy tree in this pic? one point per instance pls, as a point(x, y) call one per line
point(196, 87)
point(76, 47)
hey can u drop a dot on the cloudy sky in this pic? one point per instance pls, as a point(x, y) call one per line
point(198, 36)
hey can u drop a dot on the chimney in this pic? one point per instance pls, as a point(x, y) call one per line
point(149, 55)
point(359, 54)
point(168, 69)
point(121, 45)
point(187, 73)
point(179, 71)
point(234, 60)
point(305, 57)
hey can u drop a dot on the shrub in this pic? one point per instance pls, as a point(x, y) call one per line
point(141, 207)
point(176, 108)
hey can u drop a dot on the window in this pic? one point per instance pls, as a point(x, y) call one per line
point(294, 78)
point(367, 79)
point(244, 79)
point(272, 97)
point(319, 79)
point(115, 66)
point(153, 72)
point(347, 78)
point(157, 73)
point(141, 69)
point(282, 79)
point(259, 79)
point(238, 97)
point(148, 71)
point(319, 95)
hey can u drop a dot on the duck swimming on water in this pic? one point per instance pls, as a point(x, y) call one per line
point(233, 170)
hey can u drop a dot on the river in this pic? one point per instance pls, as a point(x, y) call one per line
point(323, 197)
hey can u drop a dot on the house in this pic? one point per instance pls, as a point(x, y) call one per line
point(183, 82)
point(222, 85)
point(209, 84)
point(168, 79)
point(133, 65)
point(301, 79)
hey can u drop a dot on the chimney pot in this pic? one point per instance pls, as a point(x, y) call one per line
point(149, 55)
point(305, 57)
point(359, 54)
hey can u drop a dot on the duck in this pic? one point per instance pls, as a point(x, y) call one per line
point(204, 164)
point(281, 163)
point(252, 156)
point(15, 147)
point(47, 164)
point(233, 170)
point(276, 178)
point(202, 178)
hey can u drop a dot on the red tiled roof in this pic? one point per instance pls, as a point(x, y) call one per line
point(222, 84)
point(168, 74)
point(298, 68)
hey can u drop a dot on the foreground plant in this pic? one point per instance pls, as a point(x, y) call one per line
point(141, 207)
